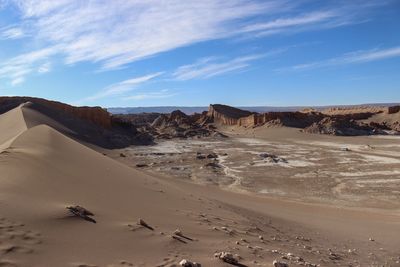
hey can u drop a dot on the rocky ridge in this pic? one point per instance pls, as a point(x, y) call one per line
point(92, 125)
point(334, 121)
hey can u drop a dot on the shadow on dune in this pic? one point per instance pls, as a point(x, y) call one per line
point(92, 125)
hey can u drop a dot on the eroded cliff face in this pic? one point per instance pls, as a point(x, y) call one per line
point(89, 124)
point(393, 109)
point(95, 115)
point(366, 110)
point(362, 120)
point(226, 115)
point(289, 119)
point(340, 126)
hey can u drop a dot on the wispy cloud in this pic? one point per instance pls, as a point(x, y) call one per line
point(210, 67)
point(281, 24)
point(150, 95)
point(17, 68)
point(11, 33)
point(44, 68)
point(123, 87)
point(119, 32)
point(348, 58)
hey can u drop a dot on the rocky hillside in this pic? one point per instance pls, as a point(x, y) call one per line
point(90, 124)
point(347, 121)
point(95, 115)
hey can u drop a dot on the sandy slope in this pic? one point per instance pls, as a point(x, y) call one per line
point(43, 171)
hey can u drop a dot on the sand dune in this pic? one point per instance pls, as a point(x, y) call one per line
point(43, 172)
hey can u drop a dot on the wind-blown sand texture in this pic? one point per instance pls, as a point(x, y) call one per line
point(43, 172)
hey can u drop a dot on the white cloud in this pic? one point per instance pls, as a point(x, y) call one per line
point(12, 33)
point(44, 68)
point(118, 32)
point(150, 95)
point(17, 68)
point(17, 80)
point(123, 87)
point(349, 58)
point(282, 23)
point(210, 67)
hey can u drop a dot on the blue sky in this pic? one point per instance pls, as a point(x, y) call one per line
point(192, 53)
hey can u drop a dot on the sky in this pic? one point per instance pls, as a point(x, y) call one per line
point(128, 53)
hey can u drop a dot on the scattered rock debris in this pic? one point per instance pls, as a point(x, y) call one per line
point(141, 165)
point(272, 158)
point(144, 224)
point(276, 263)
point(226, 257)
point(82, 213)
point(187, 263)
point(212, 156)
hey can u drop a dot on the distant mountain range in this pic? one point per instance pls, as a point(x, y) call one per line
point(200, 109)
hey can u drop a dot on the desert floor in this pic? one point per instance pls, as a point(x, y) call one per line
point(313, 202)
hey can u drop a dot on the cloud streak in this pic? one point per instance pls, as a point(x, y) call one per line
point(113, 34)
point(284, 23)
point(356, 57)
point(210, 67)
point(17, 68)
point(123, 87)
point(150, 95)
point(119, 32)
point(11, 33)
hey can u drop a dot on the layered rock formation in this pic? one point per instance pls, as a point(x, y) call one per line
point(361, 110)
point(178, 124)
point(289, 119)
point(96, 115)
point(225, 114)
point(90, 124)
point(139, 120)
point(340, 126)
point(349, 121)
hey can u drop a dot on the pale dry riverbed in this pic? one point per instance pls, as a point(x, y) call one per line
point(358, 171)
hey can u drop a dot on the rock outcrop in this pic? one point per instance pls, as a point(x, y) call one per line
point(139, 120)
point(96, 115)
point(348, 121)
point(340, 126)
point(289, 119)
point(226, 115)
point(89, 124)
point(360, 120)
point(176, 124)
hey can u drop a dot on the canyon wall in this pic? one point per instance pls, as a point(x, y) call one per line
point(226, 115)
point(96, 115)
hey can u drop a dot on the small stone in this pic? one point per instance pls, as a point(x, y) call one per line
point(144, 224)
point(178, 232)
point(226, 257)
point(187, 263)
point(276, 263)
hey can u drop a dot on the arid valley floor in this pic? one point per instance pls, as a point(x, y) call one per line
point(346, 171)
point(262, 194)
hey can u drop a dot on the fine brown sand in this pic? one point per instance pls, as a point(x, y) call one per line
point(43, 172)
